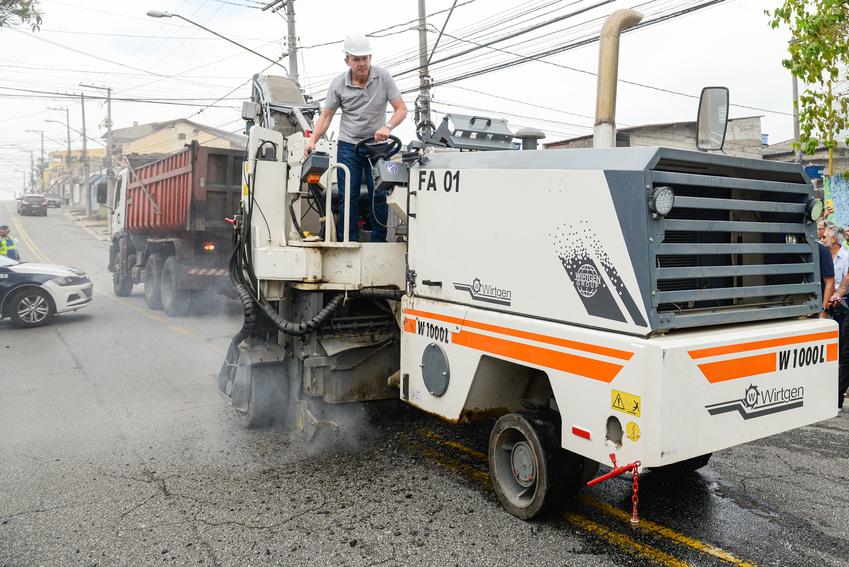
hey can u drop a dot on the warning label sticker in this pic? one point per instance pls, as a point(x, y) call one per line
point(626, 403)
point(633, 431)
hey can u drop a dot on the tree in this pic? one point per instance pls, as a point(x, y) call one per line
point(820, 45)
point(23, 11)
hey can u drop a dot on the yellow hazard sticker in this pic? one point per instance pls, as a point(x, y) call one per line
point(626, 403)
point(245, 189)
point(633, 431)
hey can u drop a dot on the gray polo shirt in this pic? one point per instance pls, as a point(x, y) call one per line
point(363, 108)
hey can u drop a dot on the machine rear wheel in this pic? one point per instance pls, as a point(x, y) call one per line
point(530, 471)
point(175, 301)
point(153, 281)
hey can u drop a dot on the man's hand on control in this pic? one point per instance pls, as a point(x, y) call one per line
point(309, 148)
point(382, 135)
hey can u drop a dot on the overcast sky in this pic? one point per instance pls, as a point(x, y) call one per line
point(162, 69)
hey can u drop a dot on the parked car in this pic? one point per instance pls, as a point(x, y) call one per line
point(33, 204)
point(53, 200)
point(31, 294)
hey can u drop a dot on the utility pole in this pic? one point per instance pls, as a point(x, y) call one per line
point(110, 174)
point(797, 152)
point(86, 184)
point(68, 164)
point(424, 77)
point(292, 40)
point(41, 167)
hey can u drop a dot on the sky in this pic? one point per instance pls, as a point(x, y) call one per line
point(163, 69)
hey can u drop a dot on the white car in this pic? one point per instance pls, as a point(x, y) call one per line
point(31, 294)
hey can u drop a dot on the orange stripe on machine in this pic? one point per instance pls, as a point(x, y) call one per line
point(738, 367)
point(758, 345)
point(562, 361)
point(555, 341)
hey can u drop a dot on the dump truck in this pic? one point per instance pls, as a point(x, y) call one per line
point(169, 225)
point(639, 307)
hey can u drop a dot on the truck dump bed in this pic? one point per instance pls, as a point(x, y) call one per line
point(190, 191)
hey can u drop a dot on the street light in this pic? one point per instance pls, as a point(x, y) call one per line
point(159, 14)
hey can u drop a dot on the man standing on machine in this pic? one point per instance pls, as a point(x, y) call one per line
point(362, 93)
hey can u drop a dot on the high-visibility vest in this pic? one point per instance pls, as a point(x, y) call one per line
point(7, 244)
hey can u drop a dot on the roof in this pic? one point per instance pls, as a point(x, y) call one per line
point(631, 129)
point(133, 133)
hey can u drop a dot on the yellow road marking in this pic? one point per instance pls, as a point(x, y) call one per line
point(454, 444)
point(28, 241)
point(624, 541)
point(217, 348)
point(649, 526)
point(185, 332)
point(472, 473)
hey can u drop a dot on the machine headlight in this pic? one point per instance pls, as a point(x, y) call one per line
point(661, 200)
point(813, 210)
point(790, 238)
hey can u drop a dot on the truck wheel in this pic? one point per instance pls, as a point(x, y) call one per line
point(153, 281)
point(122, 284)
point(530, 471)
point(175, 301)
point(32, 307)
point(683, 467)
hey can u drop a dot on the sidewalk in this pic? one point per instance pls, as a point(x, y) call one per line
point(96, 227)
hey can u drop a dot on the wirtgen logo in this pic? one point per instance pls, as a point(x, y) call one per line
point(486, 292)
point(757, 403)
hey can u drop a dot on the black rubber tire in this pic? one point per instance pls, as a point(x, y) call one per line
point(153, 281)
point(683, 467)
point(532, 438)
point(122, 285)
point(267, 401)
point(31, 307)
point(175, 301)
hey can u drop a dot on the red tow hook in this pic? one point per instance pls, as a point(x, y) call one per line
point(632, 468)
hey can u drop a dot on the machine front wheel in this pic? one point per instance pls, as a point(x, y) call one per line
point(530, 471)
point(266, 395)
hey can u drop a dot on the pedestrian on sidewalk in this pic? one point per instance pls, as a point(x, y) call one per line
point(67, 197)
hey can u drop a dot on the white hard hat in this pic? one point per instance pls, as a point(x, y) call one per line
point(357, 44)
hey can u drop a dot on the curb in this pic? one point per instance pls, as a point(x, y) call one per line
point(97, 234)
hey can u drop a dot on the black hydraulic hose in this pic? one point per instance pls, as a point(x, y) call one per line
point(306, 327)
point(294, 216)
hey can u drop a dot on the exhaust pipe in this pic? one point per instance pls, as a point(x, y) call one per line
point(604, 132)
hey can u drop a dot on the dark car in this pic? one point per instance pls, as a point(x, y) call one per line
point(31, 294)
point(33, 205)
point(53, 200)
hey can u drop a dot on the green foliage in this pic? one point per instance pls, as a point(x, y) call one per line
point(819, 47)
point(23, 11)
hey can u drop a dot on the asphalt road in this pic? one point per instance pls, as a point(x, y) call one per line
point(116, 450)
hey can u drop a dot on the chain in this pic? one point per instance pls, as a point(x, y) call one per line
point(635, 499)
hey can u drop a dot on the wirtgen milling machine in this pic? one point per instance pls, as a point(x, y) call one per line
point(647, 305)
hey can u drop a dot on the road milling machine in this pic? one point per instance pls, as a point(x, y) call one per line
point(639, 305)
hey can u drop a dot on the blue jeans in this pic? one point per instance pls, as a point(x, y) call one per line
point(359, 167)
